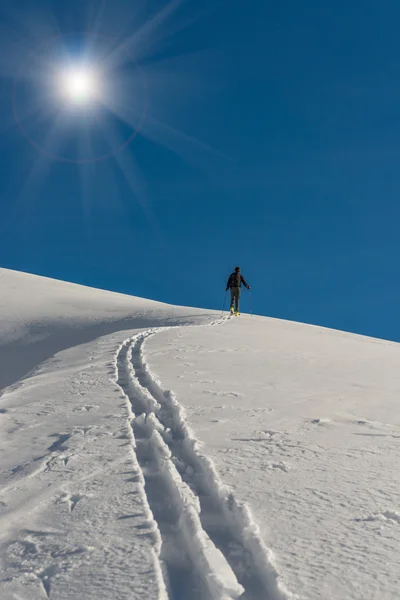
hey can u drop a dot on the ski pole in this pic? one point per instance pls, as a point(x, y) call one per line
point(223, 306)
point(251, 303)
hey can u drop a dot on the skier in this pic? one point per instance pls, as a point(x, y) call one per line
point(234, 284)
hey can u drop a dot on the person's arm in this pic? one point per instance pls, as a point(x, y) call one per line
point(244, 283)
point(228, 283)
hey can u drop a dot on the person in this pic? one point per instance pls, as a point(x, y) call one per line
point(234, 284)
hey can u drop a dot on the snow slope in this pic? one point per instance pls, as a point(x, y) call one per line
point(41, 316)
point(74, 518)
point(303, 424)
point(268, 472)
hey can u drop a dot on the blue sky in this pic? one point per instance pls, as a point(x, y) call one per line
point(271, 140)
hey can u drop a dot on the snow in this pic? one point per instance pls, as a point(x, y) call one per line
point(303, 424)
point(152, 451)
point(41, 316)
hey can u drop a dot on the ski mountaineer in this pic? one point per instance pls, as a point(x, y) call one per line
point(234, 284)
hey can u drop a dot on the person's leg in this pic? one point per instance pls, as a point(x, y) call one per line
point(232, 298)
point(237, 299)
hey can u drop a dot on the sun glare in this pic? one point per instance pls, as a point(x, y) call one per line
point(79, 86)
point(82, 97)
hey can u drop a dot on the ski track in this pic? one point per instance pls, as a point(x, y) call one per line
point(210, 548)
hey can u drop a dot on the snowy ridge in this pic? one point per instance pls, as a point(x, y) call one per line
point(214, 525)
point(188, 556)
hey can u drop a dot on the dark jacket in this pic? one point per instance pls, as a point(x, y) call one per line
point(236, 280)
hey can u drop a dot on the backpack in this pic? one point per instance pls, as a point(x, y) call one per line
point(235, 280)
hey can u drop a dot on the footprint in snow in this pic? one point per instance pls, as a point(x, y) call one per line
point(223, 394)
point(71, 500)
point(269, 433)
point(281, 466)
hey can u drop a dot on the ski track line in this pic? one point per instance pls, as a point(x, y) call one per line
point(191, 565)
point(209, 546)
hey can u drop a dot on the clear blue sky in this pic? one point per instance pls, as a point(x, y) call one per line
point(271, 140)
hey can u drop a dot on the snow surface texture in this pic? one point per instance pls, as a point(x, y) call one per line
point(106, 491)
point(303, 425)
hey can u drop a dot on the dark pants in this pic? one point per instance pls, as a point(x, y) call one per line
point(235, 298)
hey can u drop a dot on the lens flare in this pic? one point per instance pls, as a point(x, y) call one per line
point(82, 97)
point(79, 86)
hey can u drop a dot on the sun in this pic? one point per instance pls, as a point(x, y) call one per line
point(82, 97)
point(79, 85)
